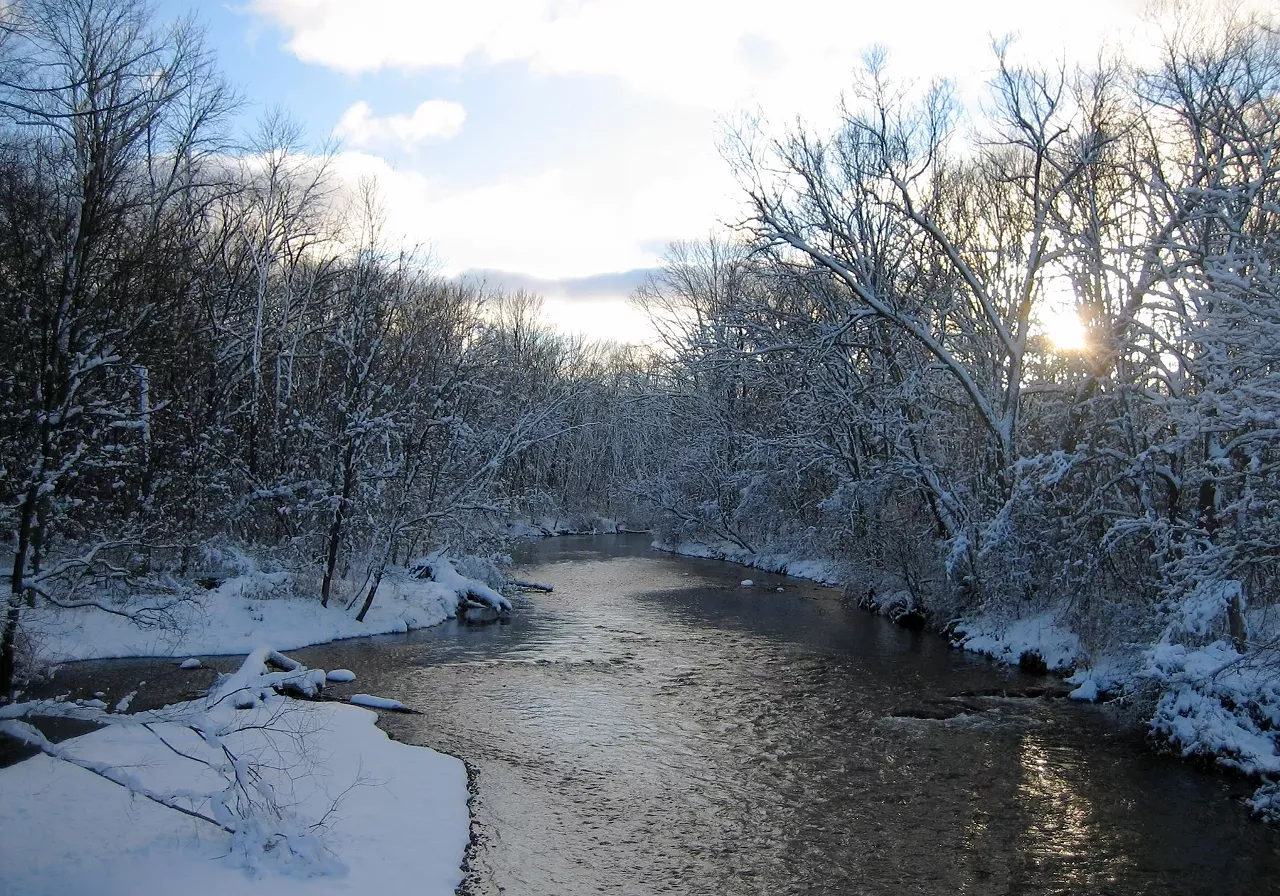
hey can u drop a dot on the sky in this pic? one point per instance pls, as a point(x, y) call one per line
point(560, 145)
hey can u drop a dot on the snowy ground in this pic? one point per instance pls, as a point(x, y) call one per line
point(295, 796)
point(247, 609)
point(317, 800)
point(1008, 641)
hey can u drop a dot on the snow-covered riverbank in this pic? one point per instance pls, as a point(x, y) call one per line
point(250, 607)
point(1041, 635)
point(819, 571)
point(245, 791)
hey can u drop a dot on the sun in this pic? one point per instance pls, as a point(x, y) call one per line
point(1065, 330)
point(1059, 320)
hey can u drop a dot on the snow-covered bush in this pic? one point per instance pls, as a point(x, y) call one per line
point(1218, 704)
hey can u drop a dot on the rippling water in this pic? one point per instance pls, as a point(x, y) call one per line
point(654, 727)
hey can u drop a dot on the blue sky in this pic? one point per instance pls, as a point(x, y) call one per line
point(563, 143)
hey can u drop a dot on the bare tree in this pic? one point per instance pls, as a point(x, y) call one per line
point(108, 128)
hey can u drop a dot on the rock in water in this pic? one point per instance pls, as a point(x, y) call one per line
point(479, 613)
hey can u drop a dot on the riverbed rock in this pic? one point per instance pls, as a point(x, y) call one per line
point(1044, 692)
point(933, 713)
point(941, 710)
point(911, 620)
point(1031, 661)
point(477, 613)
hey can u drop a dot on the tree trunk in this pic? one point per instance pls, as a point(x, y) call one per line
point(335, 528)
point(1207, 507)
point(8, 647)
point(17, 586)
point(1236, 624)
point(368, 601)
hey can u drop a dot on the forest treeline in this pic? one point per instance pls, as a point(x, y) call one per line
point(207, 343)
point(873, 385)
point(211, 343)
point(876, 384)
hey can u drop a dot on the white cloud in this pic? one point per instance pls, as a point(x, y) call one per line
point(661, 178)
point(432, 120)
point(717, 53)
point(556, 232)
point(563, 222)
point(606, 318)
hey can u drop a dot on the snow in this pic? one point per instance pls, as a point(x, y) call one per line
point(1207, 603)
point(894, 603)
point(358, 812)
point(1087, 691)
point(819, 571)
point(1265, 802)
point(444, 575)
point(252, 607)
point(1217, 703)
point(341, 676)
point(1113, 674)
point(813, 570)
point(251, 685)
point(378, 702)
point(1007, 640)
point(550, 527)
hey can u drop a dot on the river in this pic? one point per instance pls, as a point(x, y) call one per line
point(653, 726)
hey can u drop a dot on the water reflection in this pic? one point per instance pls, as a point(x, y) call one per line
point(1062, 837)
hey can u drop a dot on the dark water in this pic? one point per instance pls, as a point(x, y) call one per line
point(653, 727)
